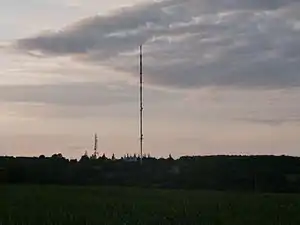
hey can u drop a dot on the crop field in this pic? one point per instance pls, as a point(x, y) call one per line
point(54, 205)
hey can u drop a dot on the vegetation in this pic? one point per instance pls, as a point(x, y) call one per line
point(39, 205)
point(235, 173)
point(94, 190)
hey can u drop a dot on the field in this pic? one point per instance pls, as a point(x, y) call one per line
point(38, 205)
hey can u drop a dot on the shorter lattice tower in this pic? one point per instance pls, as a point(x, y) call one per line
point(96, 153)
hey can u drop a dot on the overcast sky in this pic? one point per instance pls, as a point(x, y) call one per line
point(221, 76)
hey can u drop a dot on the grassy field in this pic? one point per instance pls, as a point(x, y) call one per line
point(38, 205)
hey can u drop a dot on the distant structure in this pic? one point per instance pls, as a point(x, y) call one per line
point(130, 158)
point(134, 157)
point(141, 105)
point(96, 153)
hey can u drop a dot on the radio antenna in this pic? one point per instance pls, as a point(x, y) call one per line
point(96, 153)
point(141, 105)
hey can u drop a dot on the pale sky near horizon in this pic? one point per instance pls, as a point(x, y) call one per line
point(221, 76)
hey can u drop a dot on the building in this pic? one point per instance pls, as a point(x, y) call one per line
point(130, 158)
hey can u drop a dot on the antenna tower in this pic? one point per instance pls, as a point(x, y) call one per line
point(96, 153)
point(141, 105)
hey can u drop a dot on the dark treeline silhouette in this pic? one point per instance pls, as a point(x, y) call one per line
point(236, 173)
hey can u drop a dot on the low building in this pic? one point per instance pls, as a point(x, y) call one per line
point(129, 158)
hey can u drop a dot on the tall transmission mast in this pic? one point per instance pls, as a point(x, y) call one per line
point(141, 105)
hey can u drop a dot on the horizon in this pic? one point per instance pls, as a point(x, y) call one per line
point(109, 157)
point(221, 77)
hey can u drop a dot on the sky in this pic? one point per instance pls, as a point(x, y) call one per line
point(221, 76)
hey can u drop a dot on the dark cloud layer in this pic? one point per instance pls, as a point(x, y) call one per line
point(191, 43)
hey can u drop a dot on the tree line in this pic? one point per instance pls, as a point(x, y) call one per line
point(233, 173)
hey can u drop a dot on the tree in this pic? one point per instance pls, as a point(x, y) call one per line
point(84, 158)
point(103, 156)
point(170, 157)
point(2, 175)
point(57, 156)
point(242, 173)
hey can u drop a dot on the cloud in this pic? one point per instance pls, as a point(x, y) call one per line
point(67, 94)
point(4, 45)
point(251, 107)
point(190, 43)
point(81, 94)
point(273, 121)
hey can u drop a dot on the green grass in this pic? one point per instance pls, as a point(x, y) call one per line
point(38, 205)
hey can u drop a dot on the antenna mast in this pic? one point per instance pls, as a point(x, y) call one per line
point(141, 105)
point(96, 146)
